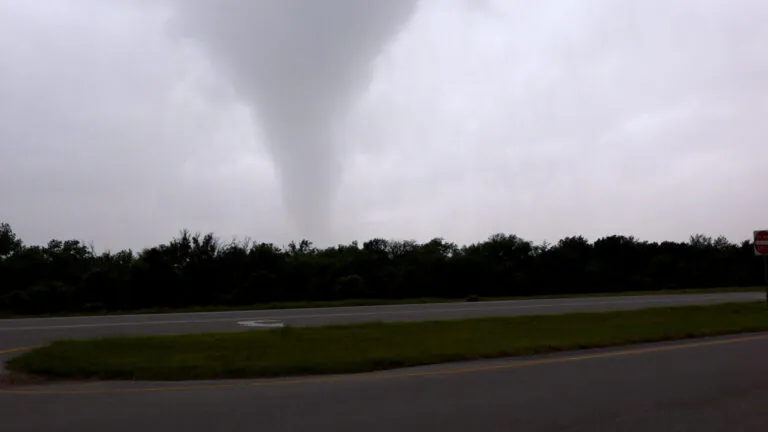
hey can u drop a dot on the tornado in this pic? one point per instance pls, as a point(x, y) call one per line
point(299, 65)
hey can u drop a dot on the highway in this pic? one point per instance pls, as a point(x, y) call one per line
point(15, 333)
point(717, 384)
point(705, 385)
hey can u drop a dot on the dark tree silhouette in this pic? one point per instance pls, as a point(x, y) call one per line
point(200, 270)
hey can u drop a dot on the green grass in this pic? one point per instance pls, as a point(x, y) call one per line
point(375, 302)
point(376, 346)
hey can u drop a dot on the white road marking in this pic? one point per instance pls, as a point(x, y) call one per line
point(262, 323)
point(568, 304)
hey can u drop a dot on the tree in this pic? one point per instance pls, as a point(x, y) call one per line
point(199, 270)
point(9, 243)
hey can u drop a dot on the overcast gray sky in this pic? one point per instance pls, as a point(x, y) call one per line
point(121, 126)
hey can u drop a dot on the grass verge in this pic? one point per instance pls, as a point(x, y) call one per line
point(376, 346)
point(377, 302)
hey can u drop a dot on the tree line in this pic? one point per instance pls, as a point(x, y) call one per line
point(201, 270)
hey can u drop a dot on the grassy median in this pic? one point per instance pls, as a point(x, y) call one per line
point(376, 346)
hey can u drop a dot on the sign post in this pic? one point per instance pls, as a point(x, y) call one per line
point(761, 248)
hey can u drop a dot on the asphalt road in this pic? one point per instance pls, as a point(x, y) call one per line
point(718, 384)
point(16, 333)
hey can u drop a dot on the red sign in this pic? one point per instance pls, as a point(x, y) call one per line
point(761, 242)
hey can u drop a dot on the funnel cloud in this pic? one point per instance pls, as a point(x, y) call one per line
point(298, 64)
